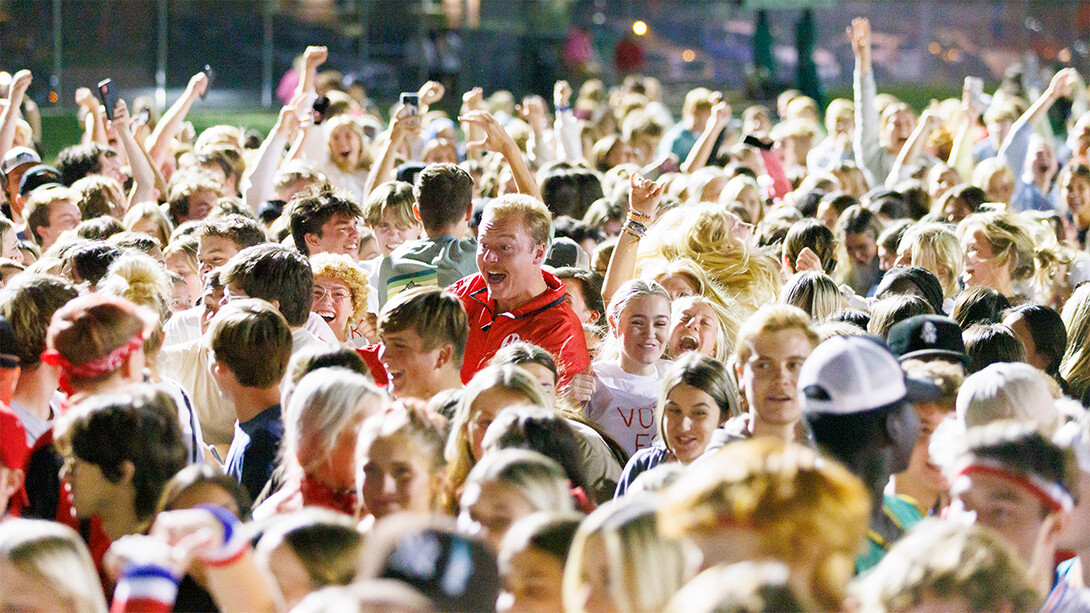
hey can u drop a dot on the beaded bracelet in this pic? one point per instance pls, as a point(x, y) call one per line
point(638, 216)
point(634, 229)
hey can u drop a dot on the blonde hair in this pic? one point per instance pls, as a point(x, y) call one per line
point(1075, 366)
point(702, 233)
point(629, 291)
point(934, 246)
point(732, 193)
point(726, 330)
point(535, 216)
point(1012, 238)
point(140, 279)
point(801, 507)
point(838, 109)
point(814, 292)
point(149, 210)
point(770, 319)
point(646, 568)
point(407, 426)
point(54, 557)
point(988, 168)
point(349, 122)
point(539, 479)
point(458, 452)
point(324, 403)
point(394, 197)
point(341, 267)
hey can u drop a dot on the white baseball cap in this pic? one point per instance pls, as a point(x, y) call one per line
point(855, 374)
point(16, 157)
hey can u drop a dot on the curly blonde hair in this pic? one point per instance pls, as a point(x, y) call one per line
point(341, 267)
point(702, 233)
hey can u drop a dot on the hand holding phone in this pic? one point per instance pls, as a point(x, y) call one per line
point(211, 75)
point(108, 95)
point(411, 100)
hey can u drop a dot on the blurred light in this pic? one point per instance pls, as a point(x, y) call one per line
point(1064, 55)
point(1032, 24)
point(1081, 47)
point(53, 97)
point(953, 55)
point(935, 48)
point(598, 18)
point(688, 55)
point(640, 28)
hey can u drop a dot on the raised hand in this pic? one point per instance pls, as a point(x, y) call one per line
point(860, 36)
point(473, 100)
point(562, 92)
point(20, 82)
point(495, 137)
point(197, 85)
point(1062, 83)
point(121, 116)
point(315, 56)
point(403, 122)
point(431, 92)
point(721, 112)
point(644, 195)
point(532, 111)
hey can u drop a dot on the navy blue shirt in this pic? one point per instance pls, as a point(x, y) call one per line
point(252, 456)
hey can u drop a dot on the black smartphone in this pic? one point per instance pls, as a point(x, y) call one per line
point(211, 74)
point(320, 106)
point(411, 100)
point(108, 95)
point(753, 141)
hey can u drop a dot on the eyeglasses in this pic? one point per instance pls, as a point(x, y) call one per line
point(338, 295)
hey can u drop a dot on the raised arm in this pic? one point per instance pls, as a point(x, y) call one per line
point(158, 144)
point(1015, 147)
point(497, 139)
point(473, 100)
point(868, 149)
point(143, 176)
point(569, 145)
point(961, 153)
point(532, 111)
point(643, 199)
point(929, 121)
point(702, 149)
point(257, 181)
point(403, 124)
point(313, 57)
point(19, 84)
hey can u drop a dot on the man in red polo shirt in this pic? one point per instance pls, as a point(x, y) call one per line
point(512, 299)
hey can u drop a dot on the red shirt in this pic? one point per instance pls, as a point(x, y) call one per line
point(546, 321)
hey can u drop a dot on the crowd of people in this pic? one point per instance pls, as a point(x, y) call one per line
point(582, 357)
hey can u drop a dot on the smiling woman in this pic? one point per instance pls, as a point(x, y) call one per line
point(340, 296)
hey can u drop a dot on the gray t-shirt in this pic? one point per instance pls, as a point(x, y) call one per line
point(35, 426)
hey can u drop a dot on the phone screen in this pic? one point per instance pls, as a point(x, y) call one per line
point(108, 97)
point(411, 99)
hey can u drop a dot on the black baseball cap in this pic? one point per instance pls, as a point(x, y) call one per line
point(927, 336)
point(41, 175)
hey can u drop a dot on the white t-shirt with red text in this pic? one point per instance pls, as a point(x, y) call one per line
point(623, 405)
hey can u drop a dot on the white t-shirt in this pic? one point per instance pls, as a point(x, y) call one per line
point(623, 405)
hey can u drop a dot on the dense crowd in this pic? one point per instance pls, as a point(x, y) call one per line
point(582, 357)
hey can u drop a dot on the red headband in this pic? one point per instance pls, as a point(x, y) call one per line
point(95, 368)
point(1052, 494)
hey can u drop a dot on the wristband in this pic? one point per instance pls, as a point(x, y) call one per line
point(235, 540)
point(561, 109)
point(634, 229)
point(146, 588)
point(638, 216)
